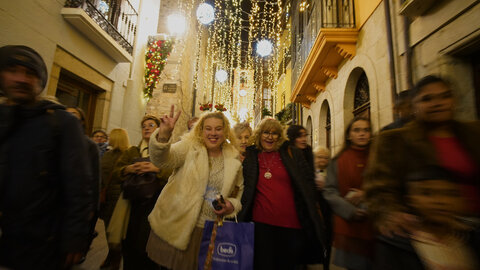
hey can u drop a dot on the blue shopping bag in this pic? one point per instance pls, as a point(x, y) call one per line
point(227, 246)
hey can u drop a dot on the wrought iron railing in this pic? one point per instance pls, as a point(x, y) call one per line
point(117, 17)
point(321, 14)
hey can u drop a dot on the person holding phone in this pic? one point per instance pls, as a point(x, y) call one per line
point(206, 164)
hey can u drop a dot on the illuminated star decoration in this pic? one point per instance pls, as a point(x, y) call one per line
point(155, 61)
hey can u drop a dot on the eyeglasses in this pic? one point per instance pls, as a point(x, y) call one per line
point(273, 134)
point(100, 136)
point(149, 125)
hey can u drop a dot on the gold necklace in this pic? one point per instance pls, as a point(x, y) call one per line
point(268, 174)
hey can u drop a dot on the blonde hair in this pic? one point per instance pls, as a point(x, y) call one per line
point(321, 149)
point(268, 124)
point(239, 128)
point(196, 134)
point(118, 139)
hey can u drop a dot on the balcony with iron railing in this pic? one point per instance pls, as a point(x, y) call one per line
point(110, 24)
point(328, 37)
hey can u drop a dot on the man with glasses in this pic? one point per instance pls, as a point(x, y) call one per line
point(100, 137)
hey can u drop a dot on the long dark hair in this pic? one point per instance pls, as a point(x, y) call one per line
point(293, 132)
point(346, 142)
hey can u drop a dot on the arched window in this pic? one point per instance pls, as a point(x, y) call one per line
point(361, 103)
point(325, 125)
point(328, 127)
point(309, 128)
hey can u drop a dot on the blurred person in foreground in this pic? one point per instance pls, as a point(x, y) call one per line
point(280, 199)
point(353, 233)
point(45, 193)
point(206, 164)
point(433, 138)
point(441, 238)
point(242, 131)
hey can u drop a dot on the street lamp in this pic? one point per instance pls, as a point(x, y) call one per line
point(205, 13)
point(176, 24)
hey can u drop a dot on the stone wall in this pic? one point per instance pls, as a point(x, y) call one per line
point(40, 25)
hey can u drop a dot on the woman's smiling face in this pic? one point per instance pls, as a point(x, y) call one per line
point(213, 133)
point(269, 140)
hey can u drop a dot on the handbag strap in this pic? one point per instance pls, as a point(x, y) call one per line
point(211, 245)
point(218, 222)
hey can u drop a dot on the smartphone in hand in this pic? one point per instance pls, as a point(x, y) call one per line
point(216, 203)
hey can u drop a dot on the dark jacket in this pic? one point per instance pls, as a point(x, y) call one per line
point(94, 159)
point(112, 185)
point(45, 187)
point(302, 177)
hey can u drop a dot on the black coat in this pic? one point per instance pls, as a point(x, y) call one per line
point(302, 178)
point(45, 186)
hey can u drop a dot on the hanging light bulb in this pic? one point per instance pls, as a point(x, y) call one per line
point(221, 76)
point(264, 47)
point(205, 13)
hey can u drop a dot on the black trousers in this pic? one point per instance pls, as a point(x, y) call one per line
point(278, 248)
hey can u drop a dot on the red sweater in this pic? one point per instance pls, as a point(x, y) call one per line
point(274, 202)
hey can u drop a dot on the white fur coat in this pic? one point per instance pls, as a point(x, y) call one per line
point(178, 207)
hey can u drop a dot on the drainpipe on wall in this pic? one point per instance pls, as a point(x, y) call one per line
point(393, 79)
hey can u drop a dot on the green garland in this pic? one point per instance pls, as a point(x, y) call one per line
point(155, 61)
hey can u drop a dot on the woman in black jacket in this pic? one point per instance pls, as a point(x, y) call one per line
point(297, 137)
point(279, 196)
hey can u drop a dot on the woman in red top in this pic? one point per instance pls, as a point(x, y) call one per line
point(279, 196)
point(352, 231)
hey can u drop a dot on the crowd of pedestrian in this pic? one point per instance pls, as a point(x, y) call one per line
point(405, 198)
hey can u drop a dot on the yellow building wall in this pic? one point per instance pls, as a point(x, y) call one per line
point(364, 9)
point(284, 84)
point(284, 88)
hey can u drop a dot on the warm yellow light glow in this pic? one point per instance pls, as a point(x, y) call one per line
point(176, 24)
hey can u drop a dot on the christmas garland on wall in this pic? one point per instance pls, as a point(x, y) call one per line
point(155, 61)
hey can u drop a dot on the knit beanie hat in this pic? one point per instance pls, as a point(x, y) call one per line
point(12, 55)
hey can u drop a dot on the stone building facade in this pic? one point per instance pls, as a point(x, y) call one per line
point(89, 65)
point(394, 45)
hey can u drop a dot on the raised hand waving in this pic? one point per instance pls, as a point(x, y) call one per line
point(167, 124)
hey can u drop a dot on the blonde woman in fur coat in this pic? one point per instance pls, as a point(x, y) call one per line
point(206, 164)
